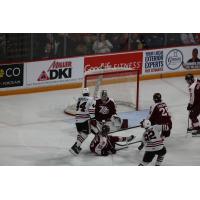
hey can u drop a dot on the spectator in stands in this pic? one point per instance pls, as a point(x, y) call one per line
point(88, 40)
point(197, 37)
point(2, 46)
point(173, 39)
point(142, 44)
point(135, 42)
point(49, 50)
point(124, 42)
point(187, 38)
point(194, 56)
point(114, 39)
point(81, 49)
point(59, 39)
point(102, 45)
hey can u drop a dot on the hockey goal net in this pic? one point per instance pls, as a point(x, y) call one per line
point(122, 85)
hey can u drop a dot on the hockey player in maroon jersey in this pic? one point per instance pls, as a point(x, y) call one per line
point(153, 141)
point(105, 110)
point(104, 144)
point(194, 103)
point(158, 114)
point(105, 107)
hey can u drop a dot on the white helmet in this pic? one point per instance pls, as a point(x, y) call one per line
point(85, 92)
point(145, 123)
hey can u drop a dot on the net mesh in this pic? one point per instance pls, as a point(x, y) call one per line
point(121, 86)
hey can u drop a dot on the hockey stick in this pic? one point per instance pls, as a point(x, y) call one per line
point(188, 124)
point(126, 129)
point(126, 146)
point(123, 145)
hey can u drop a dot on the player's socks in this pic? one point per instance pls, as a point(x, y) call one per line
point(159, 160)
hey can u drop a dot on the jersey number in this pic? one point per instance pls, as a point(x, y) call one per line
point(81, 106)
point(164, 111)
point(149, 136)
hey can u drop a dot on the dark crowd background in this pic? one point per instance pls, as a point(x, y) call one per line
point(33, 46)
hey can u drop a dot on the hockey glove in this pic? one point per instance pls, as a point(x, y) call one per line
point(189, 107)
point(141, 146)
point(113, 151)
point(104, 152)
point(141, 123)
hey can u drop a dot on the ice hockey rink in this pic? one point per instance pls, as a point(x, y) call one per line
point(34, 131)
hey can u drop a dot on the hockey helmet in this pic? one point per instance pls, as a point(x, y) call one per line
point(104, 95)
point(145, 123)
point(189, 78)
point(105, 129)
point(85, 92)
point(157, 97)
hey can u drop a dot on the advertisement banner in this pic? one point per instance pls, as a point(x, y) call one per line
point(126, 60)
point(11, 75)
point(54, 72)
point(171, 60)
point(153, 62)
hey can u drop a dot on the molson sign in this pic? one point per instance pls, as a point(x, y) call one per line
point(132, 60)
point(52, 72)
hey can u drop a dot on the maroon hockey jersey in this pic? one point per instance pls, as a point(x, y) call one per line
point(104, 111)
point(159, 114)
point(103, 143)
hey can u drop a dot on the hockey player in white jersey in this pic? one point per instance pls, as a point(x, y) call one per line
point(84, 112)
point(153, 142)
point(194, 103)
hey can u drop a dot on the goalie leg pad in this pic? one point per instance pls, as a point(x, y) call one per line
point(124, 124)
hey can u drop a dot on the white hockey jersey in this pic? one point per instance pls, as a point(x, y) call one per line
point(152, 138)
point(194, 91)
point(85, 109)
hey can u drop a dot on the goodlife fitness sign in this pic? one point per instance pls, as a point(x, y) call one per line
point(132, 60)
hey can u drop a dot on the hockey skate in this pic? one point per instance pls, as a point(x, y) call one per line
point(194, 131)
point(130, 138)
point(75, 150)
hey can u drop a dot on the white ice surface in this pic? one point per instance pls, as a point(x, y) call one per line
point(35, 131)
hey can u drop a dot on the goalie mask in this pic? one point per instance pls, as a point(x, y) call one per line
point(189, 79)
point(85, 92)
point(104, 95)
